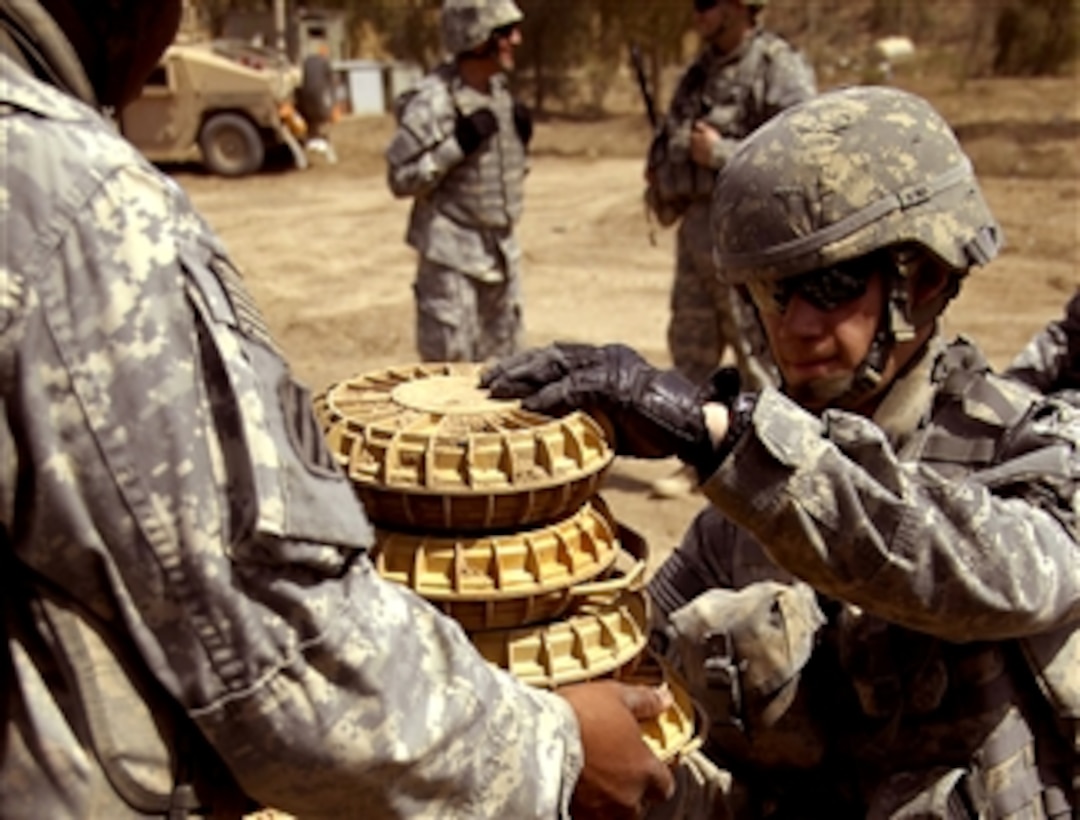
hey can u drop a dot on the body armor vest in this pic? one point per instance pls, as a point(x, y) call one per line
point(486, 189)
point(926, 698)
point(726, 92)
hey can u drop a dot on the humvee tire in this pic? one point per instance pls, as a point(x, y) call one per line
point(231, 145)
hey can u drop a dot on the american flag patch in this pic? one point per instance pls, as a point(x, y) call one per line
point(248, 317)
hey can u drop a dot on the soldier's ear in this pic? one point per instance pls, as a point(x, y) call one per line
point(931, 285)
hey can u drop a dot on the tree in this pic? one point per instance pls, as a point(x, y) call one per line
point(1035, 37)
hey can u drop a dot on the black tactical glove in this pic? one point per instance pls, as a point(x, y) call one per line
point(651, 413)
point(471, 131)
point(523, 123)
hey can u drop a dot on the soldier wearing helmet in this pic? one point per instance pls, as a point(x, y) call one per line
point(192, 625)
point(743, 76)
point(880, 608)
point(460, 153)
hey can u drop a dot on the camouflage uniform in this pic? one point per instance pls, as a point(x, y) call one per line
point(1051, 361)
point(944, 559)
point(185, 576)
point(465, 208)
point(735, 93)
point(886, 606)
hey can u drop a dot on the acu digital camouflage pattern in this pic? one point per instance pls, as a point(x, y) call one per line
point(708, 317)
point(462, 221)
point(845, 174)
point(735, 93)
point(462, 320)
point(173, 511)
point(1051, 361)
point(468, 24)
point(940, 537)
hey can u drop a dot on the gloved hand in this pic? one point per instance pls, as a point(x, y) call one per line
point(650, 413)
point(523, 123)
point(471, 131)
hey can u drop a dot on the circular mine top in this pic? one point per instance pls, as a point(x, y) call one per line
point(449, 395)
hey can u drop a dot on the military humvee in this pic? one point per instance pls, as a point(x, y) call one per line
point(222, 103)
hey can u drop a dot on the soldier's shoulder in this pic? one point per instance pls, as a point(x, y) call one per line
point(431, 97)
point(58, 153)
point(774, 45)
point(22, 93)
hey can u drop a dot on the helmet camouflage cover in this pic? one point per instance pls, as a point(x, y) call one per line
point(844, 174)
point(467, 24)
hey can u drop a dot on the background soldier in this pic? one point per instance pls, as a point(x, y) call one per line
point(460, 152)
point(191, 622)
point(1051, 360)
point(881, 611)
point(744, 76)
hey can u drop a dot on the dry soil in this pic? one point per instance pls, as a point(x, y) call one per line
point(324, 256)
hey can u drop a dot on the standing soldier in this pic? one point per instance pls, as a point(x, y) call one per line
point(191, 622)
point(460, 152)
point(881, 609)
point(744, 76)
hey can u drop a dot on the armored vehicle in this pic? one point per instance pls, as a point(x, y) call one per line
point(222, 103)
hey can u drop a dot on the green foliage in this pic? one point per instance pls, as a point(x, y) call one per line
point(898, 17)
point(1035, 37)
point(410, 28)
point(574, 51)
point(555, 38)
point(570, 44)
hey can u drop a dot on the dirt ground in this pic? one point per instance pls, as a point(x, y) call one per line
point(324, 255)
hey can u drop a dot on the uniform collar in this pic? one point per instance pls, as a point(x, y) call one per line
point(909, 397)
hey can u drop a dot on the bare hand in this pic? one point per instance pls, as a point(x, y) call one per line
point(702, 139)
point(621, 775)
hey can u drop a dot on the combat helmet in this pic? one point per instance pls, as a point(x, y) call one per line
point(844, 175)
point(468, 24)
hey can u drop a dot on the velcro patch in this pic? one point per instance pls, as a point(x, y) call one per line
point(303, 428)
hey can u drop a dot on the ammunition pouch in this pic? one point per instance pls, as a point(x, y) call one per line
point(743, 653)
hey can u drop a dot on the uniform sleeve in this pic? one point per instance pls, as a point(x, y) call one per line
point(1051, 360)
point(423, 148)
point(180, 452)
point(963, 559)
point(790, 81)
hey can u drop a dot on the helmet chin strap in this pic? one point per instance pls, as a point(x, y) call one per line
point(900, 321)
point(896, 325)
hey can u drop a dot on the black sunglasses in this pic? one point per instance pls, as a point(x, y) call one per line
point(825, 289)
point(702, 6)
point(502, 32)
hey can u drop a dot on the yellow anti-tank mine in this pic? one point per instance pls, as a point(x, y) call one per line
point(492, 513)
point(506, 579)
point(427, 449)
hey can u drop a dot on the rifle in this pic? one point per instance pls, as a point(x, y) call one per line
point(638, 63)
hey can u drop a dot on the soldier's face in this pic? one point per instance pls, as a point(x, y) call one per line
point(714, 18)
point(506, 41)
point(819, 349)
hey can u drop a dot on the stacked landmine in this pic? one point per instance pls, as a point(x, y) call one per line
point(492, 514)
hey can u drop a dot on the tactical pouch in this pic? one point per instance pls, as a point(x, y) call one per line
point(742, 653)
